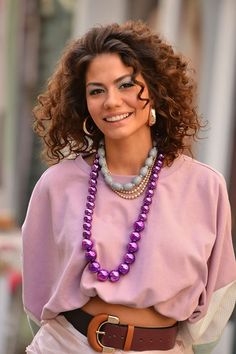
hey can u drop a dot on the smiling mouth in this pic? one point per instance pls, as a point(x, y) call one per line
point(117, 118)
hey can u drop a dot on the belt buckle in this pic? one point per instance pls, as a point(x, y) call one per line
point(94, 331)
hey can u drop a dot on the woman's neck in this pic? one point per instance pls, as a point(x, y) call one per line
point(126, 157)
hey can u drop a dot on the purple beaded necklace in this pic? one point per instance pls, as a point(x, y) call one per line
point(138, 227)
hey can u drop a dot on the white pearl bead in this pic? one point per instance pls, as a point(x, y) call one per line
point(101, 152)
point(143, 171)
point(108, 179)
point(149, 161)
point(102, 161)
point(117, 186)
point(137, 180)
point(153, 152)
point(128, 186)
point(104, 171)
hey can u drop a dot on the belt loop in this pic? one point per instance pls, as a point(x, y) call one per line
point(129, 338)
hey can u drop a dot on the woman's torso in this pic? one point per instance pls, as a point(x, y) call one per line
point(170, 271)
point(148, 317)
point(145, 317)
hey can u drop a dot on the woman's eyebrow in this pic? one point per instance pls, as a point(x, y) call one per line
point(115, 81)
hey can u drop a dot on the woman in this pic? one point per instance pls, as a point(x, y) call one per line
point(127, 240)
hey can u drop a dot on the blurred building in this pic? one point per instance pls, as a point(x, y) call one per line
point(32, 36)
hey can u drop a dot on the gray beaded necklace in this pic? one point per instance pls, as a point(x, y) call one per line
point(136, 181)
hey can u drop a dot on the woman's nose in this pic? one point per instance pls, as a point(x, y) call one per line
point(113, 99)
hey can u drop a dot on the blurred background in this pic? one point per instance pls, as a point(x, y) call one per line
point(32, 36)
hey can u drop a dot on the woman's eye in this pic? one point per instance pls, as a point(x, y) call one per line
point(127, 84)
point(95, 92)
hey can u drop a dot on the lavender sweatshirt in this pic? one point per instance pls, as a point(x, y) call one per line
point(185, 266)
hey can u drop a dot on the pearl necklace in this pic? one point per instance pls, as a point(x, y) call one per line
point(138, 226)
point(136, 181)
point(136, 191)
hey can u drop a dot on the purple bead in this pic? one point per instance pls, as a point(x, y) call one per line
point(147, 200)
point(145, 208)
point(135, 236)
point(94, 267)
point(88, 219)
point(149, 193)
point(132, 247)
point(114, 276)
point(95, 167)
point(86, 233)
point(129, 258)
point(159, 163)
point(152, 185)
point(139, 225)
point(157, 169)
point(93, 182)
point(91, 255)
point(87, 226)
point(123, 268)
point(90, 205)
point(161, 157)
point(102, 275)
point(93, 175)
point(91, 198)
point(92, 190)
point(87, 244)
point(88, 212)
point(154, 177)
point(143, 217)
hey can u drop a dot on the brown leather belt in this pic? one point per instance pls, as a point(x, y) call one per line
point(105, 334)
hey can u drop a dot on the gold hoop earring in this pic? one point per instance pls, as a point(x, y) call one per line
point(152, 117)
point(85, 129)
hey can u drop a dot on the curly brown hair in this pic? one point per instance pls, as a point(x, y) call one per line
point(62, 108)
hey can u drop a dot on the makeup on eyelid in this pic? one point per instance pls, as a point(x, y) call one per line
point(99, 87)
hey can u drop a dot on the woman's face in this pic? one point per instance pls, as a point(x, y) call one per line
point(112, 98)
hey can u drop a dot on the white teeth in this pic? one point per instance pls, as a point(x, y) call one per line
point(117, 118)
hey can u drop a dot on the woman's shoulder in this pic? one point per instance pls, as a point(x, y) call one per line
point(62, 173)
point(188, 171)
point(195, 167)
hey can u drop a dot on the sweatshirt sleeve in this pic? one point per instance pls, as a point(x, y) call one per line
point(204, 328)
point(39, 258)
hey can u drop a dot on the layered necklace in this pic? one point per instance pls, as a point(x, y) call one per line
point(147, 180)
point(137, 185)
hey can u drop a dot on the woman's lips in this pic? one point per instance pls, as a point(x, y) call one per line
point(117, 117)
